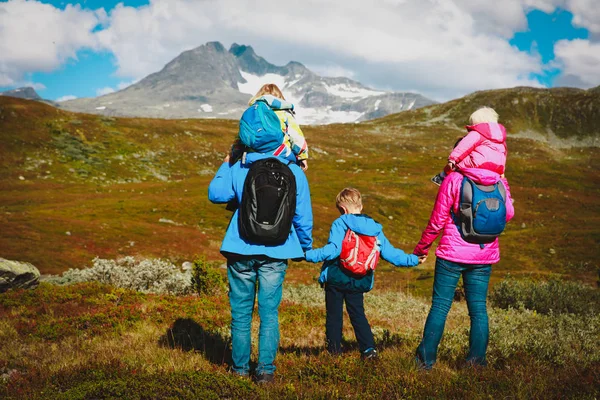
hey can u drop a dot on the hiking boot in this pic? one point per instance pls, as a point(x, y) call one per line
point(264, 379)
point(370, 354)
point(239, 374)
point(438, 179)
point(421, 366)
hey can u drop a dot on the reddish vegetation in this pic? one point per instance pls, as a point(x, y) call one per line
point(104, 188)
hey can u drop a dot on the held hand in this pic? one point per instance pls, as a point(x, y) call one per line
point(304, 165)
point(422, 259)
point(451, 166)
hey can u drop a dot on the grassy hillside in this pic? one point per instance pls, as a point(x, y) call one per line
point(77, 186)
point(565, 112)
point(73, 187)
point(90, 341)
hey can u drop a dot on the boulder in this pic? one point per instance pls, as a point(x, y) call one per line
point(15, 274)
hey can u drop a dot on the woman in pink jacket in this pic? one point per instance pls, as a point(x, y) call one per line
point(484, 146)
point(456, 257)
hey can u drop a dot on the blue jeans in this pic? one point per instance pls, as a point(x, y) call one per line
point(475, 281)
point(245, 274)
point(334, 302)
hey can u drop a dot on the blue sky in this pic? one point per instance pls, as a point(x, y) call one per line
point(113, 49)
point(544, 30)
point(95, 4)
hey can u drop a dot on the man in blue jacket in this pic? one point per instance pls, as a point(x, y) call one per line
point(250, 264)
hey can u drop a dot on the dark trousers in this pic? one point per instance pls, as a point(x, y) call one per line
point(334, 301)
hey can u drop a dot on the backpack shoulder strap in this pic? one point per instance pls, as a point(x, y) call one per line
point(502, 189)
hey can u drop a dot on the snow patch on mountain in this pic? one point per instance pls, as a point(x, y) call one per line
point(206, 108)
point(254, 82)
point(320, 116)
point(210, 81)
point(346, 91)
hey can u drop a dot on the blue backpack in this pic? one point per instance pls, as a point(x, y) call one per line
point(482, 211)
point(260, 128)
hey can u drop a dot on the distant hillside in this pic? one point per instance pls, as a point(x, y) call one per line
point(212, 82)
point(76, 186)
point(28, 93)
point(564, 112)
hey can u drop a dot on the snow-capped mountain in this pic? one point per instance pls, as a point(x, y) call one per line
point(211, 82)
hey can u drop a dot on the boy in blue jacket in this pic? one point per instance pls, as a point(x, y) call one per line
point(340, 285)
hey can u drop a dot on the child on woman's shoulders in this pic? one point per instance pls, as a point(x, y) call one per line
point(484, 146)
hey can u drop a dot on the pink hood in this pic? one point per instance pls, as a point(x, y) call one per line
point(490, 130)
point(452, 247)
point(483, 147)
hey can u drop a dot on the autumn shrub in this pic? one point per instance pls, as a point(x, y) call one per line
point(143, 275)
point(556, 296)
point(205, 278)
point(556, 338)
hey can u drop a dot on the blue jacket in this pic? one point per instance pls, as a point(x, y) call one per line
point(330, 253)
point(228, 184)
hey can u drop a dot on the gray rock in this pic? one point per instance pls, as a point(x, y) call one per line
point(15, 274)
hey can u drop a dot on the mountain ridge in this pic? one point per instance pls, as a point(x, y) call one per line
point(25, 92)
point(212, 82)
point(562, 112)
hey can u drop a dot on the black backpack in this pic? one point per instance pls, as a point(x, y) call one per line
point(268, 202)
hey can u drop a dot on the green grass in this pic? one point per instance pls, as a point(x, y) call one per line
point(99, 187)
point(140, 171)
point(94, 341)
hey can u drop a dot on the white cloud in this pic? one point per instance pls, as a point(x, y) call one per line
point(35, 85)
point(104, 90)
point(443, 48)
point(547, 6)
point(65, 98)
point(586, 13)
point(579, 59)
point(38, 37)
point(124, 84)
point(503, 18)
point(331, 70)
point(456, 46)
point(144, 39)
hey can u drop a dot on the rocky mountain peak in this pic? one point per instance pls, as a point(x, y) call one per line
point(239, 49)
point(203, 68)
point(212, 82)
point(214, 46)
point(250, 62)
point(27, 93)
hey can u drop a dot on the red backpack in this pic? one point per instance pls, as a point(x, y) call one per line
point(360, 253)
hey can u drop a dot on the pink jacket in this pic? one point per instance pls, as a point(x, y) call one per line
point(452, 247)
point(483, 147)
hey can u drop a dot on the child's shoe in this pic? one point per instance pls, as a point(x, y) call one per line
point(438, 179)
point(370, 354)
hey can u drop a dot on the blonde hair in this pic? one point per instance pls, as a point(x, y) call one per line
point(349, 197)
point(483, 115)
point(269, 88)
